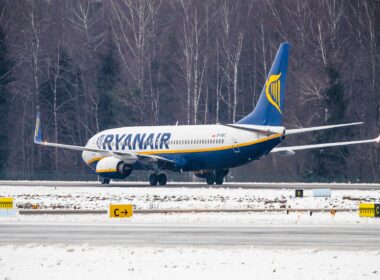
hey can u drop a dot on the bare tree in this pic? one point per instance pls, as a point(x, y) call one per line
point(131, 28)
point(84, 19)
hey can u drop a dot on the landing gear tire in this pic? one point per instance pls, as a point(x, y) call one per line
point(219, 178)
point(210, 179)
point(162, 179)
point(105, 181)
point(153, 180)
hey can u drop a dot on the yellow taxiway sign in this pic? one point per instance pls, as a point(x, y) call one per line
point(121, 210)
point(369, 210)
point(6, 202)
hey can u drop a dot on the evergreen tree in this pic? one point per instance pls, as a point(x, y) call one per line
point(5, 66)
point(329, 164)
point(107, 78)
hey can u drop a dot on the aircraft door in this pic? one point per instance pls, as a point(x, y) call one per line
point(235, 143)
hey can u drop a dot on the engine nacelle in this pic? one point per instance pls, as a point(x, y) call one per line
point(113, 168)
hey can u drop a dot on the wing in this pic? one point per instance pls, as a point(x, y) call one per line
point(290, 150)
point(120, 154)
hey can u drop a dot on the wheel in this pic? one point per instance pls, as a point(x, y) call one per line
point(210, 179)
point(219, 178)
point(162, 179)
point(153, 179)
point(105, 181)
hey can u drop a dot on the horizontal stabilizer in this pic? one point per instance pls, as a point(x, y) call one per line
point(315, 128)
point(291, 149)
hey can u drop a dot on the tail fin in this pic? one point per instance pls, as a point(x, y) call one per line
point(268, 110)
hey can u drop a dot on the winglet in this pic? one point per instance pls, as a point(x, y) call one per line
point(377, 139)
point(37, 131)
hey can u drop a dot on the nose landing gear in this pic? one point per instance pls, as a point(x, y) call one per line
point(105, 181)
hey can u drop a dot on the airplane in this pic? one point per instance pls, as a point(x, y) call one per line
point(209, 151)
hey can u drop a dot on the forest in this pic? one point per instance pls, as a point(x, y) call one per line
point(89, 65)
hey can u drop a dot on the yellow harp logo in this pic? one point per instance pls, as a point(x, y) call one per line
point(273, 90)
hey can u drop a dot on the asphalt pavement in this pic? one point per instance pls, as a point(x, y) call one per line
point(354, 237)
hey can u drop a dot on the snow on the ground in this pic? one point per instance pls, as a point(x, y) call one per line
point(34, 261)
point(86, 261)
point(180, 198)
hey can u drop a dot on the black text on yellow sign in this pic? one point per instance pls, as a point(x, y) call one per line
point(121, 210)
point(6, 202)
point(369, 210)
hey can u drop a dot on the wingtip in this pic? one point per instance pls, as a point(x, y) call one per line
point(377, 139)
point(37, 131)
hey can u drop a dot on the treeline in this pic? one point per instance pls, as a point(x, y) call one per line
point(90, 65)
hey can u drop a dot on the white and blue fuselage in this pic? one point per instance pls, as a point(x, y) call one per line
point(191, 147)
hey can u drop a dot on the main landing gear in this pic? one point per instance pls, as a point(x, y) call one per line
point(105, 181)
point(157, 178)
point(215, 178)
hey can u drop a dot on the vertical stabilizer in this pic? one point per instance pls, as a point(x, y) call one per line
point(269, 108)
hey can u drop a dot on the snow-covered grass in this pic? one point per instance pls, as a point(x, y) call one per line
point(202, 218)
point(188, 198)
point(180, 198)
point(35, 261)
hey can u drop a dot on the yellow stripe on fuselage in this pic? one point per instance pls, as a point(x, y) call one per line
point(200, 150)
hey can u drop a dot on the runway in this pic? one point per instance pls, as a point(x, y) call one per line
point(352, 237)
point(126, 184)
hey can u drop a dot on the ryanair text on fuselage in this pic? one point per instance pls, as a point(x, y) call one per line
point(141, 141)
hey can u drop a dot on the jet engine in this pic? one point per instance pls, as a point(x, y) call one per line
point(113, 167)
